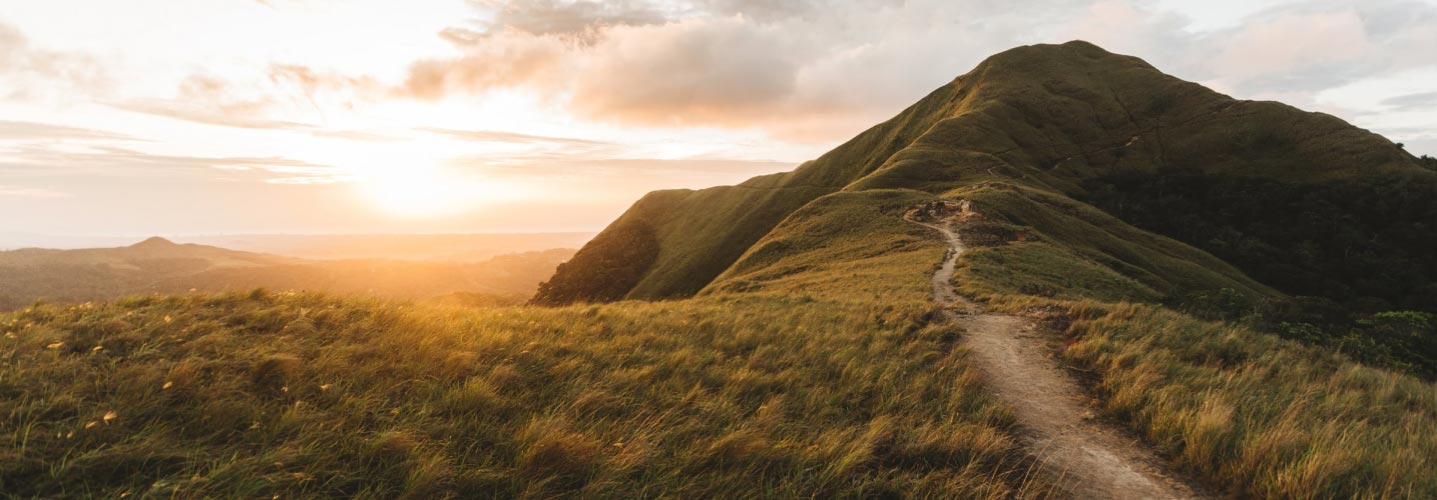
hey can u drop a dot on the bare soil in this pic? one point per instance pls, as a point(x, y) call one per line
point(1090, 458)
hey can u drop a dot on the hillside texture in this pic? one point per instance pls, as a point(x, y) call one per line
point(1250, 285)
point(1070, 123)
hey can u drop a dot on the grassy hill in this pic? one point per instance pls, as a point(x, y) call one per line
point(157, 265)
point(800, 355)
point(1171, 231)
point(1078, 122)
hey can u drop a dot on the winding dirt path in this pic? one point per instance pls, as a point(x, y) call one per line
point(1091, 459)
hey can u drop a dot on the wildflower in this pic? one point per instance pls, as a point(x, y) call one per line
point(168, 384)
point(109, 415)
point(168, 319)
point(325, 387)
point(10, 335)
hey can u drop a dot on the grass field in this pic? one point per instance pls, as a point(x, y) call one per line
point(255, 395)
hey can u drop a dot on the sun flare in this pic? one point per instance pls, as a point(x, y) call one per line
point(417, 192)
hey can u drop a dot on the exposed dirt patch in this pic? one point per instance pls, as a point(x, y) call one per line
point(1091, 458)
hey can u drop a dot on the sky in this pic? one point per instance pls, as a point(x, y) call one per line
point(205, 117)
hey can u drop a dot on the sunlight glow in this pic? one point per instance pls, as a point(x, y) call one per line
point(419, 191)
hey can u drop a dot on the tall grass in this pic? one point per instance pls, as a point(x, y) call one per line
point(1264, 416)
point(256, 395)
point(1254, 414)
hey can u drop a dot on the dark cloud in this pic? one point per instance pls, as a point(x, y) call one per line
point(825, 68)
point(31, 130)
point(688, 72)
point(575, 18)
point(1418, 101)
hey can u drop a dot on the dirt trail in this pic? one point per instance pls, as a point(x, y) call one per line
point(1093, 459)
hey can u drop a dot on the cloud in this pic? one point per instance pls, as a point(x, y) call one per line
point(509, 137)
point(1294, 50)
point(30, 192)
point(213, 101)
point(28, 72)
point(1417, 101)
point(696, 71)
point(10, 130)
point(46, 161)
point(823, 69)
point(285, 90)
point(355, 135)
point(512, 59)
point(577, 18)
point(626, 177)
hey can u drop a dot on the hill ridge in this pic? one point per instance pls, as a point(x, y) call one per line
point(1056, 118)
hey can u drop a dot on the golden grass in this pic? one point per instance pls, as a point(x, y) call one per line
point(1265, 416)
point(255, 395)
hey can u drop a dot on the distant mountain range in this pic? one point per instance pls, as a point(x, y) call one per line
point(449, 247)
point(158, 265)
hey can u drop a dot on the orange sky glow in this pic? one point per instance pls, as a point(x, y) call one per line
point(369, 116)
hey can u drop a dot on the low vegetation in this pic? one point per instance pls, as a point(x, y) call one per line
point(1250, 411)
point(255, 395)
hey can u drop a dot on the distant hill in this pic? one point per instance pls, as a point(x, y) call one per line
point(441, 247)
point(157, 265)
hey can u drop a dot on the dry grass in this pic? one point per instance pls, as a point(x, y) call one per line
point(1251, 413)
point(1263, 416)
point(255, 395)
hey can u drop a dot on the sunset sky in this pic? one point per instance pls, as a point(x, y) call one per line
point(188, 117)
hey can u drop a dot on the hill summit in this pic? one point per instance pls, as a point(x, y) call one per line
point(154, 242)
point(1061, 138)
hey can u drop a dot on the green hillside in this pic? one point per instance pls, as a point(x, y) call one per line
point(1129, 209)
point(1078, 122)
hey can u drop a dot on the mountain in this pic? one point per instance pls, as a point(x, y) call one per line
point(158, 265)
point(1099, 152)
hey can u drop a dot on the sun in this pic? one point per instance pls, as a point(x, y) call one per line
point(417, 191)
